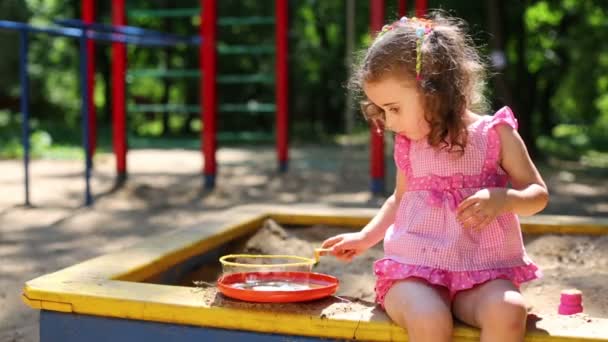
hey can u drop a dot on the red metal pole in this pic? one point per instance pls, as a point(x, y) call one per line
point(119, 69)
point(208, 91)
point(377, 138)
point(421, 7)
point(88, 16)
point(402, 8)
point(281, 75)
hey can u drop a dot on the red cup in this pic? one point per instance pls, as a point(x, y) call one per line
point(570, 302)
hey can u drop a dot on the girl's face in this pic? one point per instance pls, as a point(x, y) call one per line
point(402, 106)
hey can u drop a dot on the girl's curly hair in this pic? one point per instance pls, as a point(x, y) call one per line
point(452, 77)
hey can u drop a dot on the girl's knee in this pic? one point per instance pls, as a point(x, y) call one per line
point(431, 320)
point(507, 310)
point(421, 309)
point(424, 316)
point(424, 323)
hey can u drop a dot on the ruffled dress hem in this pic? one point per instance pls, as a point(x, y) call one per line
point(389, 271)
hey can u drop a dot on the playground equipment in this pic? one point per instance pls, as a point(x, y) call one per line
point(88, 31)
point(107, 296)
point(207, 73)
point(120, 35)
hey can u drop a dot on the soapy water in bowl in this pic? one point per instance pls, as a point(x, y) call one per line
point(275, 285)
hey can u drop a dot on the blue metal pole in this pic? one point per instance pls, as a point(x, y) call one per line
point(25, 109)
point(123, 29)
point(130, 35)
point(124, 37)
point(85, 117)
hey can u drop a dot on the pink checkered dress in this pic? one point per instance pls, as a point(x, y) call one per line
point(426, 241)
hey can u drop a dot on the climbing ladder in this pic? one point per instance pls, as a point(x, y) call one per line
point(222, 50)
point(251, 106)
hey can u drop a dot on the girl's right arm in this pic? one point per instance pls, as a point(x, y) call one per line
point(347, 246)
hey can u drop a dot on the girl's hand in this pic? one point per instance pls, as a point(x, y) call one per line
point(479, 209)
point(346, 246)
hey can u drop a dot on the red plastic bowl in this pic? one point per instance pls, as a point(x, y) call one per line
point(323, 285)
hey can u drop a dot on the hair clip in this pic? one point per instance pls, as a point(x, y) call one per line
point(421, 33)
point(424, 27)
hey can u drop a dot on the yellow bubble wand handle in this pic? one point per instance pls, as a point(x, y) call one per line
point(320, 251)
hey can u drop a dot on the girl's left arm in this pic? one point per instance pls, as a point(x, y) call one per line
point(528, 194)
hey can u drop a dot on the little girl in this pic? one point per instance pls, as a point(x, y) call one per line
point(452, 239)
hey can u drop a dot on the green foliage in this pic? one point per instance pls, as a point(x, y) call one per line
point(10, 138)
point(561, 47)
point(567, 51)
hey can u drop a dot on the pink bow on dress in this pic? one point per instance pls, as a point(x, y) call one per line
point(444, 189)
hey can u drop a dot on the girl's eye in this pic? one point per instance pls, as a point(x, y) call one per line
point(394, 110)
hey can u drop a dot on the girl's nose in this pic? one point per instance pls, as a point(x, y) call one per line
point(389, 123)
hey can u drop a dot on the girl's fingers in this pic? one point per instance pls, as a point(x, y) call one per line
point(486, 221)
point(480, 217)
point(331, 241)
point(348, 255)
point(470, 223)
point(468, 211)
point(477, 223)
point(337, 250)
point(481, 220)
point(342, 246)
point(473, 221)
point(471, 214)
point(467, 217)
point(467, 202)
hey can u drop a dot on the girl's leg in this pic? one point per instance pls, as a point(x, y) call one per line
point(497, 307)
point(421, 308)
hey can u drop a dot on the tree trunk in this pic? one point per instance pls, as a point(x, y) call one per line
point(526, 86)
point(167, 51)
point(495, 14)
point(349, 117)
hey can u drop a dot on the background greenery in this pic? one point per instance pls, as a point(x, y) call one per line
point(556, 76)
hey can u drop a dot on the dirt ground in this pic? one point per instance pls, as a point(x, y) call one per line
point(164, 193)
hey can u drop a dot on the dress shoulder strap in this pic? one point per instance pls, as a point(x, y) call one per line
point(504, 116)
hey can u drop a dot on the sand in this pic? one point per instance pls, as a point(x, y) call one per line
point(567, 262)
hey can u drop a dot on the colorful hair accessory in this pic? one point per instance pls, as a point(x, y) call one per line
point(424, 27)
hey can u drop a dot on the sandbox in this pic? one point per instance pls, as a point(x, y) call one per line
point(148, 290)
